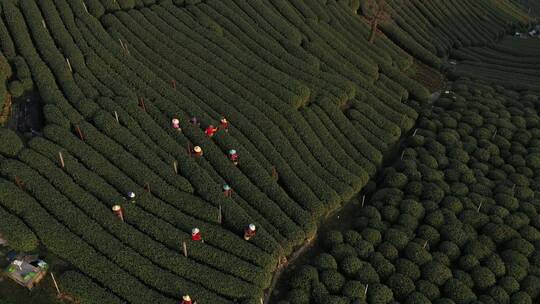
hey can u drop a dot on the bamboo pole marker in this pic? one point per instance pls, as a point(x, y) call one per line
point(69, 65)
point(494, 134)
point(173, 82)
point(185, 248)
point(127, 50)
point(363, 199)
point(275, 175)
point(116, 116)
point(56, 285)
point(425, 244)
point(61, 158)
point(479, 206)
point(84, 5)
point(122, 44)
point(147, 187)
point(43, 22)
point(220, 218)
point(141, 103)
point(79, 132)
point(262, 301)
point(365, 290)
point(415, 130)
point(118, 211)
point(175, 166)
point(402, 154)
point(19, 183)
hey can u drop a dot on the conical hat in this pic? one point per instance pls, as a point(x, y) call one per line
point(226, 187)
point(252, 227)
point(186, 298)
point(175, 121)
point(131, 194)
point(232, 151)
point(197, 149)
point(195, 231)
point(224, 120)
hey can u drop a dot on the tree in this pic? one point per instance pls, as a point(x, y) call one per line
point(376, 11)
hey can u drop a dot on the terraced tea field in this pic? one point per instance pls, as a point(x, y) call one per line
point(190, 147)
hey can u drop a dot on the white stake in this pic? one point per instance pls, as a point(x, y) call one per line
point(494, 134)
point(402, 154)
point(219, 215)
point(415, 130)
point(116, 116)
point(122, 44)
point(425, 244)
point(479, 206)
point(61, 157)
point(85, 8)
point(55, 284)
point(175, 166)
point(363, 199)
point(69, 65)
point(43, 22)
point(365, 290)
point(185, 248)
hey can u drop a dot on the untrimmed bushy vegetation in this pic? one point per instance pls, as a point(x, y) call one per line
point(454, 221)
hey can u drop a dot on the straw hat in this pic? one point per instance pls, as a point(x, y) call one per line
point(197, 149)
point(116, 208)
point(195, 231)
point(226, 187)
point(186, 298)
point(175, 121)
point(252, 227)
point(232, 151)
point(224, 120)
point(131, 194)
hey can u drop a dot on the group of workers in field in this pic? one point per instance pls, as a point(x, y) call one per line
point(209, 131)
point(251, 230)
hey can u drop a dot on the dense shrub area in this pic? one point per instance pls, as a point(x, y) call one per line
point(470, 232)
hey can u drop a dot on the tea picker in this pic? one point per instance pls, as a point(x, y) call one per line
point(196, 234)
point(233, 156)
point(210, 131)
point(131, 197)
point(250, 232)
point(175, 123)
point(194, 121)
point(224, 124)
point(227, 190)
point(187, 300)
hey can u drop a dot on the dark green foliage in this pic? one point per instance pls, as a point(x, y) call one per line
point(379, 294)
point(401, 285)
point(11, 143)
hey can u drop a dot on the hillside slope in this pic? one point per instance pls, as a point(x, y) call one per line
point(312, 108)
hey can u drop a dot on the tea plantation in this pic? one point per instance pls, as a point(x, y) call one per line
point(316, 95)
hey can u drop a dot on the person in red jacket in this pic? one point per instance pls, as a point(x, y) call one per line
point(186, 300)
point(224, 124)
point(250, 232)
point(196, 234)
point(233, 156)
point(210, 131)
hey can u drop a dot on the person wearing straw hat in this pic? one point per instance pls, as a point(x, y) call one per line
point(224, 124)
point(210, 131)
point(227, 190)
point(233, 156)
point(250, 232)
point(196, 234)
point(186, 300)
point(176, 124)
point(197, 151)
point(131, 196)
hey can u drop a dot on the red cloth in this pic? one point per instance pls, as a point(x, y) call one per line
point(234, 157)
point(196, 237)
point(210, 131)
point(186, 302)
